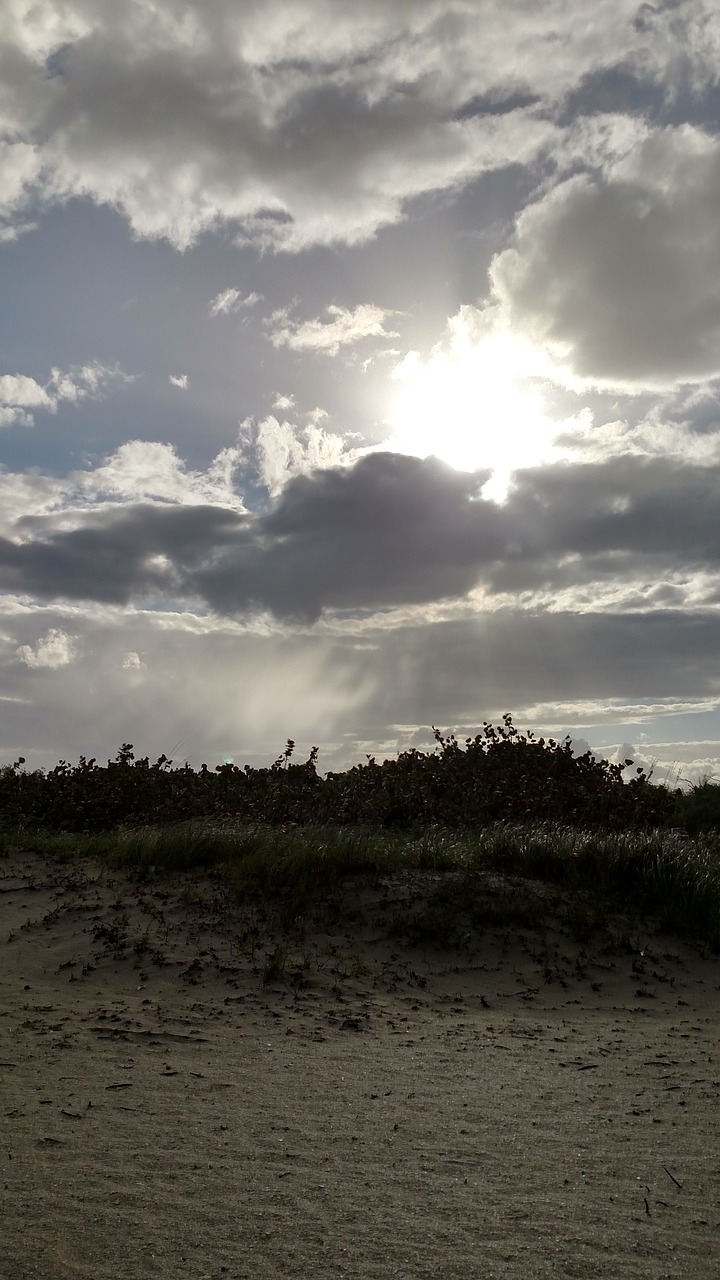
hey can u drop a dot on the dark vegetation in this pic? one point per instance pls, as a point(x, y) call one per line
point(500, 775)
point(502, 804)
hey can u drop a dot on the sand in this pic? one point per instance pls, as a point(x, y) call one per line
point(518, 1109)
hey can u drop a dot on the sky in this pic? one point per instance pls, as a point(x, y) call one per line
point(359, 373)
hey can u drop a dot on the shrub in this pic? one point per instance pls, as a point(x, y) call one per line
point(499, 775)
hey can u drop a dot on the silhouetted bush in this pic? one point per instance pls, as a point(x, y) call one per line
point(698, 810)
point(499, 775)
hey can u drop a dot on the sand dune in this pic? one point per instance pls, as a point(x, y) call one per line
point(375, 1112)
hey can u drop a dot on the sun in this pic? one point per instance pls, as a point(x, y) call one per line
point(475, 404)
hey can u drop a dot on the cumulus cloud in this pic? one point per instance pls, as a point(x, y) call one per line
point(17, 389)
point(617, 274)
point(389, 530)
point(21, 395)
point(630, 534)
point(282, 401)
point(280, 450)
point(339, 327)
point(133, 662)
point(142, 470)
point(139, 471)
point(358, 530)
point(684, 43)
point(56, 649)
point(223, 304)
point(179, 380)
point(19, 172)
point(295, 130)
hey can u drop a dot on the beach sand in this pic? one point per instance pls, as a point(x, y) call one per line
point(526, 1107)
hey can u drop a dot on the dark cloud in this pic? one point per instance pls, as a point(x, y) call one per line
point(459, 672)
point(656, 506)
point(390, 530)
point(138, 551)
point(620, 273)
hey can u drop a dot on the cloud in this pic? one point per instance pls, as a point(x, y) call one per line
point(292, 130)
point(232, 300)
point(388, 530)
point(219, 689)
point(226, 688)
point(13, 417)
point(11, 233)
point(133, 662)
point(179, 380)
point(385, 531)
point(143, 470)
point(340, 327)
point(584, 713)
point(21, 395)
point(56, 649)
point(19, 172)
point(283, 402)
point(139, 471)
point(282, 449)
point(17, 389)
point(685, 43)
point(617, 274)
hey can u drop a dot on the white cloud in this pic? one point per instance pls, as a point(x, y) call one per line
point(586, 713)
point(138, 471)
point(17, 389)
point(8, 234)
point(684, 43)
point(282, 449)
point(618, 275)
point(340, 327)
point(179, 380)
point(232, 300)
point(11, 417)
point(147, 470)
point(19, 171)
point(133, 662)
point(20, 394)
point(298, 123)
point(56, 649)
point(283, 402)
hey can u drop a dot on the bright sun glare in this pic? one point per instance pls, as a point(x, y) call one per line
point(474, 405)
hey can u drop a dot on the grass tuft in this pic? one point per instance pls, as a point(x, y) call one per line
point(294, 870)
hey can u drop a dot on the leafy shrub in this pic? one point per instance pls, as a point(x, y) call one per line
point(499, 775)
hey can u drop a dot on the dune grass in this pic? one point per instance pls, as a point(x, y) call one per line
point(668, 874)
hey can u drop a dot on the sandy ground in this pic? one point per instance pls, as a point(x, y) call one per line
point(372, 1113)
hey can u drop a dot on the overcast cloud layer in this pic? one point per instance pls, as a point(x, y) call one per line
point(359, 370)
